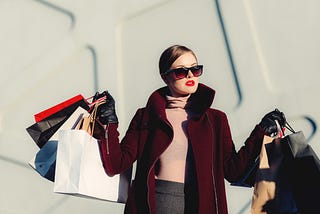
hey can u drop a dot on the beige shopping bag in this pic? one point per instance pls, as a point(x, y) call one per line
point(264, 190)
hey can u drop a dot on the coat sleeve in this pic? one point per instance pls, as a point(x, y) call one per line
point(235, 162)
point(118, 156)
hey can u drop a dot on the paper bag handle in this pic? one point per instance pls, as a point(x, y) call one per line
point(92, 118)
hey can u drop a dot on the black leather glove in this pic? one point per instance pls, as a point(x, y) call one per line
point(268, 122)
point(106, 112)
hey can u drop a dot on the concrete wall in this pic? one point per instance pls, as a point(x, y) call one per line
point(258, 55)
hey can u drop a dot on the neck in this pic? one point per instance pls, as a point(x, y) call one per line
point(177, 102)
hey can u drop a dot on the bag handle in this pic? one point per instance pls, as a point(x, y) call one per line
point(93, 115)
point(287, 125)
point(290, 127)
point(92, 104)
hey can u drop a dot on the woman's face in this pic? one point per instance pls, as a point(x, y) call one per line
point(186, 85)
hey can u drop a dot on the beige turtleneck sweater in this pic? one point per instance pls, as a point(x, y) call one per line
point(172, 162)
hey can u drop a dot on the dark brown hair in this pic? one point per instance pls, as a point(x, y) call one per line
point(170, 55)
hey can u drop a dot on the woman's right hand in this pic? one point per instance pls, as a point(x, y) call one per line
point(106, 112)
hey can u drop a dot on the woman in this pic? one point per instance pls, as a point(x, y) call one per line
point(183, 148)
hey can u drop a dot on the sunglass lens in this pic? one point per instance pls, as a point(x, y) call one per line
point(180, 73)
point(196, 70)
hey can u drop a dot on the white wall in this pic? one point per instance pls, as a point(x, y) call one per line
point(258, 55)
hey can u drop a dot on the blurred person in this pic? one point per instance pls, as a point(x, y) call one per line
point(183, 147)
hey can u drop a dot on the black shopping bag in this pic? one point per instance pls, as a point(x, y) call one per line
point(303, 171)
point(44, 129)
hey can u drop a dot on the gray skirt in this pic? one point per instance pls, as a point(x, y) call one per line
point(174, 198)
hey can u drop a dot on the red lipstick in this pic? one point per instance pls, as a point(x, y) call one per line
point(190, 83)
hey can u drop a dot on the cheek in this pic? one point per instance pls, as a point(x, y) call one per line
point(179, 84)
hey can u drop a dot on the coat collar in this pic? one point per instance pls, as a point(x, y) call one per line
point(201, 100)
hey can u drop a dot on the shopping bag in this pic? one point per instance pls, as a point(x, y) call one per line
point(45, 160)
point(294, 173)
point(79, 169)
point(43, 130)
point(303, 171)
point(272, 191)
point(264, 186)
point(54, 109)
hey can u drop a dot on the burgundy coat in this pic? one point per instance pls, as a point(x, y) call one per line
point(150, 133)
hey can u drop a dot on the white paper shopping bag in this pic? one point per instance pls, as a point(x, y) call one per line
point(79, 168)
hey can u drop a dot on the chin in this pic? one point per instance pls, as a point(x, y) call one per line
point(188, 91)
point(192, 90)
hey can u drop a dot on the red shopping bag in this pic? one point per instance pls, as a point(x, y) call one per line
point(54, 109)
point(50, 122)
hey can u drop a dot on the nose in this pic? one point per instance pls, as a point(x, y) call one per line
point(190, 74)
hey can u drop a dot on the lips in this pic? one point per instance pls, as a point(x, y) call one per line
point(190, 83)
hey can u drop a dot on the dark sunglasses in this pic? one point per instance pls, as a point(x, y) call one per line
point(180, 73)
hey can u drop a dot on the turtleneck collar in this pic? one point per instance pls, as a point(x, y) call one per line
point(200, 101)
point(177, 102)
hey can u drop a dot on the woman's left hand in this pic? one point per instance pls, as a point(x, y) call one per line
point(268, 122)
